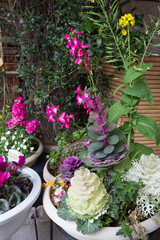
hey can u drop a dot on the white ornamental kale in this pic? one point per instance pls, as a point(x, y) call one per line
point(87, 196)
point(146, 170)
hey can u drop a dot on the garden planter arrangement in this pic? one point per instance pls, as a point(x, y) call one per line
point(100, 234)
point(13, 219)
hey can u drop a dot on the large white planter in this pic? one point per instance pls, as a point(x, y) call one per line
point(46, 174)
point(101, 234)
point(30, 161)
point(13, 219)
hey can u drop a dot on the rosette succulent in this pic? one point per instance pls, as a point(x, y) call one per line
point(106, 146)
point(87, 196)
point(69, 166)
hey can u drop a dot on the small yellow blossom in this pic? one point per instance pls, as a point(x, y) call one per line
point(124, 32)
point(91, 1)
point(127, 20)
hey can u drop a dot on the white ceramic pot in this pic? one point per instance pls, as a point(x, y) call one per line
point(30, 161)
point(13, 219)
point(105, 233)
point(46, 174)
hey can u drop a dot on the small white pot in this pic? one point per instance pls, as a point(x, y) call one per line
point(30, 161)
point(100, 234)
point(13, 219)
point(46, 174)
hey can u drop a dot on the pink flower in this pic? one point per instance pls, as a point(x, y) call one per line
point(3, 177)
point(78, 61)
point(54, 110)
point(71, 30)
point(32, 126)
point(87, 143)
point(78, 90)
point(3, 164)
point(21, 161)
point(65, 119)
point(66, 37)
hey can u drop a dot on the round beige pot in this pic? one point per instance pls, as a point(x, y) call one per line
point(46, 174)
point(101, 234)
point(30, 161)
point(13, 219)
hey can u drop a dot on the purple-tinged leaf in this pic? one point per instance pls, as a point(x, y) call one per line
point(110, 128)
point(90, 105)
point(119, 147)
point(94, 116)
point(95, 147)
point(100, 154)
point(108, 149)
point(101, 138)
point(99, 104)
point(95, 132)
point(113, 139)
point(104, 115)
point(95, 128)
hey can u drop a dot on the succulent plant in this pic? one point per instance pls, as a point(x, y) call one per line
point(87, 196)
point(106, 147)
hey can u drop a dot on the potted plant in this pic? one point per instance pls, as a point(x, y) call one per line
point(19, 189)
point(18, 134)
point(113, 190)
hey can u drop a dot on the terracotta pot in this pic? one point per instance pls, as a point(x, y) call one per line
point(13, 219)
point(101, 234)
point(46, 174)
point(30, 161)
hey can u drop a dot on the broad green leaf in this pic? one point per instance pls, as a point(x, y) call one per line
point(116, 111)
point(113, 139)
point(125, 164)
point(87, 227)
point(119, 147)
point(4, 206)
point(14, 199)
point(140, 89)
point(108, 149)
point(140, 149)
point(100, 154)
point(130, 100)
point(135, 72)
point(13, 188)
point(95, 147)
point(148, 128)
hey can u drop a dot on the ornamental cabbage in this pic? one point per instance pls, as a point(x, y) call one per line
point(87, 196)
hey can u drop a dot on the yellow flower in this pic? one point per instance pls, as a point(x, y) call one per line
point(50, 184)
point(124, 32)
point(91, 1)
point(126, 20)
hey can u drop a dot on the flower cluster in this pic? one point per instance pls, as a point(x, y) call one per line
point(126, 21)
point(14, 187)
point(64, 118)
point(78, 49)
point(19, 115)
point(18, 140)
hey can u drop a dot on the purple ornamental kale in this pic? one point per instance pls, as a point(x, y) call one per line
point(69, 166)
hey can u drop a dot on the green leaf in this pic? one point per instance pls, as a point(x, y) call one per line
point(119, 147)
point(116, 111)
point(125, 164)
point(87, 227)
point(14, 199)
point(101, 138)
point(113, 139)
point(140, 89)
point(140, 149)
point(13, 188)
point(4, 205)
point(135, 72)
point(148, 128)
point(100, 154)
point(130, 100)
point(95, 147)
point(108, 149)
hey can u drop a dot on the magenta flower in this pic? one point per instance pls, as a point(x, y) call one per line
point(32, 126)
point(65, 119)
point(87, 143)
point(21, 161)
point(78, 61)
point(3, 177)
point(78, 89)
point(3, 164)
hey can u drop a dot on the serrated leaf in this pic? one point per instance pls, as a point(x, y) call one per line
point(108, 149)
point(135, 72)
point(116, 111)
point(87, 227)
point(140, 89)
point(130, 100)
point(148, 128)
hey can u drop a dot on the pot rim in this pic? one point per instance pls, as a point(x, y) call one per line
point(70, 226)
point(31, 198)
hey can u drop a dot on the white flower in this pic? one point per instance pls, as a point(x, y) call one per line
point(6, 143)
point(15, 142)
point(3, 138)
point(24, 140)
point(8, 132)
point(24, 147)
point(13, 137)
point(21, 135)
point(18, 148)
point(32, 148)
